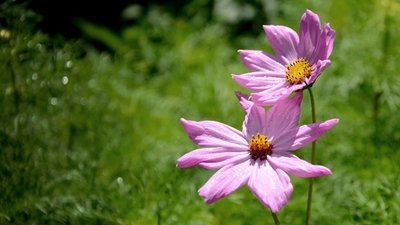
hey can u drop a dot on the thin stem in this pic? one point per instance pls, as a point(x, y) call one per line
point(276, 220)
point(314, 119)
point(313, 150)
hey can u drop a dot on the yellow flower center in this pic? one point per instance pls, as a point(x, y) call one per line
point(298, 70)
point(259, 147)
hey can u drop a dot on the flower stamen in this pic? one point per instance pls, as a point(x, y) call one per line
point(259, 147)
point(298, 70)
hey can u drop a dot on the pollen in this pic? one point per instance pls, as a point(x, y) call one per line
point(298, 70)
point(259, 147)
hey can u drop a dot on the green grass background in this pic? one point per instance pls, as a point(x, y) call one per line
point(92, 137)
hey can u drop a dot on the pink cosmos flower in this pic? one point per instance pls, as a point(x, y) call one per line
point(298, 61)
point(259, 156)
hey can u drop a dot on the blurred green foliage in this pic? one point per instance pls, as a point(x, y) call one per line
point(91, 137)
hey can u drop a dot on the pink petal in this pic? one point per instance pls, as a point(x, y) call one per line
point(260, 80)
point(272, 188)
point(309, 33)
point(261, 61)
point(319, 67)
point(325, 44)
point(212, 158)
point(244, 101)
point(283, 40)
point(254, 121)
point(212, 165)
point(273, 94)
point(298, 137)
point(225, 181)
point(294, 166)
point(285, 180)
point(214, 134)
point(284, 115)
point(330, 39)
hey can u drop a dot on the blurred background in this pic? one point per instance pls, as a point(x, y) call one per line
point(92, 93)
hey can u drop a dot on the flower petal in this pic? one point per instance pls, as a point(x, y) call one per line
point(225, 181)
point(260, 80)
point(283, 40)
point(244, 101)
point(272, 188)
point(324, 46)
point(298, 137)
point(212, 158)
point(261, 61)
point(294, 166)
point(273, 94)
point(283, 115)
point(287, 186)
point(319, 67)
point(214, 134)
point(309, 33)
point(212, 165)
point(254, 121)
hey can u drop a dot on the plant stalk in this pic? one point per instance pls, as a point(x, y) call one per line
point(313, 152)
point(276, 220)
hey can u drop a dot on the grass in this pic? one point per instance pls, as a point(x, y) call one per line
point(89, 137)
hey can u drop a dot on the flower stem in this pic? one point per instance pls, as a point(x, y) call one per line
point(313, 150)
point(276, 220)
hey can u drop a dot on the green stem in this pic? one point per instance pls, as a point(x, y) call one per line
point(276, 220)
point(313, 150)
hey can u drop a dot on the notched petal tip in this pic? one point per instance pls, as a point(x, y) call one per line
point(205, 197)
point(186, 123)
point(279, 31)
point(320, 171)
point(310, 13)
point(192, 128)
point(240, 79)
point(270, 26)
point(183, 120)
point(330, 123)
point(311, 17)
point(329, 30)
point(336, 120)
point(240, 95)
point(244, 101)
point(325, 126)
point(326, 172)
point(184, 163)
point(244, 52)
point(181, 163)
